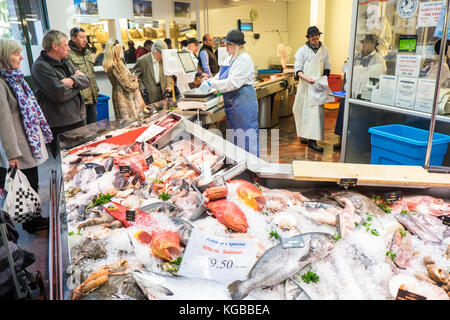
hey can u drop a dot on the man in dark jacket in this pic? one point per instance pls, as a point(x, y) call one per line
point(81, 58)
point(146, 49)
point(58, 86)
point(208, 60)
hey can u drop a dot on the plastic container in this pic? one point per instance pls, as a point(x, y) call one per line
point(403, 145)
point(102, 107)
point(335, 82)
point(265, 71)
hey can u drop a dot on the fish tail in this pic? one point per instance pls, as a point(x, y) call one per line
point(236, 290)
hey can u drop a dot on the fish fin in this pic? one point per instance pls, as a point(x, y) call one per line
point(235, 289)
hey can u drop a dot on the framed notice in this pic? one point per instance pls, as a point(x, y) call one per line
point(406, 93)
point(429, 13)
point(408, 66)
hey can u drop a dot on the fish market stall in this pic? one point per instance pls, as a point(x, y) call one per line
point(164, 209)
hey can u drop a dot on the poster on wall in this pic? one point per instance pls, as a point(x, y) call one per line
point(406, 93)
point(429, 13)
point(408, 66)
point(425, 95)
point(142, 8)
point(86, 7)
point(182, 9)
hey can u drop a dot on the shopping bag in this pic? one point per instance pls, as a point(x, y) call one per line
point(319, 92)
point(22, 203)
point(139, 99)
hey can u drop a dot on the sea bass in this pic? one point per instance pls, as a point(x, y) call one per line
point(278, 264)
point(161, 287)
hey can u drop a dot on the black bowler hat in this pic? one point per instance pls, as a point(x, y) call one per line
point(313, 31)
point(193, 40)
point(235, 36)
point(370, 37)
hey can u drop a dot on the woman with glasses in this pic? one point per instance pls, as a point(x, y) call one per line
point(124, 84)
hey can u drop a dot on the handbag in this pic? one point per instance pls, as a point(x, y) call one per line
point(22, 203)
point(139, 100)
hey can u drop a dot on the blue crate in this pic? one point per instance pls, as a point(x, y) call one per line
point(102, 107)
point(268, 71)
point(403, 145)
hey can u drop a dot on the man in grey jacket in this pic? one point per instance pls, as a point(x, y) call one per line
point(58, 86)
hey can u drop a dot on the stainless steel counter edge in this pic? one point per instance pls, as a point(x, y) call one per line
point(398, 110)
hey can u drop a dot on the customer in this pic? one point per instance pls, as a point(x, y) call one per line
point(3, 158)
point(124, 85)
point(150, 72)
point(58, 84)
point(235, 80)
point(169, 43)
point(311, 62)
point(82, 59)
point(146, 49)
point(130, 54)
point(24, 148)
point(194, 47)
point(208, 60)
point(100, 57)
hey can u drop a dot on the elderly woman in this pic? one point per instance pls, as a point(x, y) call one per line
point(23, 128)
point(124, 84)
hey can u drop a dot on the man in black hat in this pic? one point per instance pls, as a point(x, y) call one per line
point(312, 61)
point(369, 54)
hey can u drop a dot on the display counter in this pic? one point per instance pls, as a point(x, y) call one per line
point(125, 254)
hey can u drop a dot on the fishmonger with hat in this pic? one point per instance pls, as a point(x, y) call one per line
point(312, 61)
point(235, 81)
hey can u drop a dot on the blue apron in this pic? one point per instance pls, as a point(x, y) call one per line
point(241, 108)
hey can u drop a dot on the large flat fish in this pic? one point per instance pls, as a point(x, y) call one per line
point(427, 228)
point(278, 264)
point(160, 287)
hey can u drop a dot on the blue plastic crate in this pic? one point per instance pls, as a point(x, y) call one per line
point(102, 107)
point(265, 71)
point(403, 145)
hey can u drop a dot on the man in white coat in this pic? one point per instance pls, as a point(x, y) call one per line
point(312, 61)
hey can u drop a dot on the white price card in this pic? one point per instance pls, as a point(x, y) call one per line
point(408, 66)
point(150, 133)
point(425, 95)
point(215, 258)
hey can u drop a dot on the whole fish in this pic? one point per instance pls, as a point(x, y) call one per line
point(164, 207)
point(423, 204)
point(184, 229)
point(403, 249)
point(160, 287)
point(361, 203)
point(278, 264)
point(427, 228)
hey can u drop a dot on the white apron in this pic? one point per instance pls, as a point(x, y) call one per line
point(309, 120)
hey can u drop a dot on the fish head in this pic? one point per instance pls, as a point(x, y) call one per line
point(229, 214)
point(322, 243)
point(166, 245)
point(438, 207)
point(151, 285)
point(250, 194)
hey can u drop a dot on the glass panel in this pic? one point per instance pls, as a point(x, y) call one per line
point(36, 25)
point(396, 56)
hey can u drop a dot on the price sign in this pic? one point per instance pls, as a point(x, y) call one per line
point(100, 170)
point(131, 215)
point(149, 160)
point(446, 221)
point(406, 295)
point(150, 133)
point(125, 169)
point(215, 258)
point(393, 196)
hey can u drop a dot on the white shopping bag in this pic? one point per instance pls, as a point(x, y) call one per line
point(319, 92)
point(22, 203)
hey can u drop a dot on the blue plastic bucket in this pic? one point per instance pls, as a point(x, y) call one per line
point(403, 145)
point(102, 107)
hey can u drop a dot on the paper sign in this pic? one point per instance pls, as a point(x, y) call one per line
point(406, 93)
point(425, 95)
point(408, 66)
point(429, 13)
point(388, 86)
point(440, 26)
point(215, 258)
point(150, 133)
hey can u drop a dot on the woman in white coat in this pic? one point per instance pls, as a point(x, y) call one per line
point(311, 62)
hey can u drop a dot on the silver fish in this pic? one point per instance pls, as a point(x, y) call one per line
point(362, 203)
point(278, 264)
point(184, 229)
point(427, 228)
point(161, 287)
point(166, 207)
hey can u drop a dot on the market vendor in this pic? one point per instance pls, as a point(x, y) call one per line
point(311, 62)
point(369, 56)
point(235, 80)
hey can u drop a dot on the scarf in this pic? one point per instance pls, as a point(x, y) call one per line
point(31, 114)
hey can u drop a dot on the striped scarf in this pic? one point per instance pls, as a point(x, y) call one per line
point(31, 114)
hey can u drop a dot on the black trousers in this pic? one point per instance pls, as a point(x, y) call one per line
point(32, 175)
point(58, 130)
point(91, 113)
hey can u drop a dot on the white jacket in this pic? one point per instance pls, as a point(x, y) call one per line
point(242, 73)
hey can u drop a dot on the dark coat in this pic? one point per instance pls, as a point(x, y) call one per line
point(62, 106)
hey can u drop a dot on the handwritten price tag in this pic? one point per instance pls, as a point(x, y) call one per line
point(215, 258)
point(150, 133)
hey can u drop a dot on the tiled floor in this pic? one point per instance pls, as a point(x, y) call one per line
point(290, 147)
